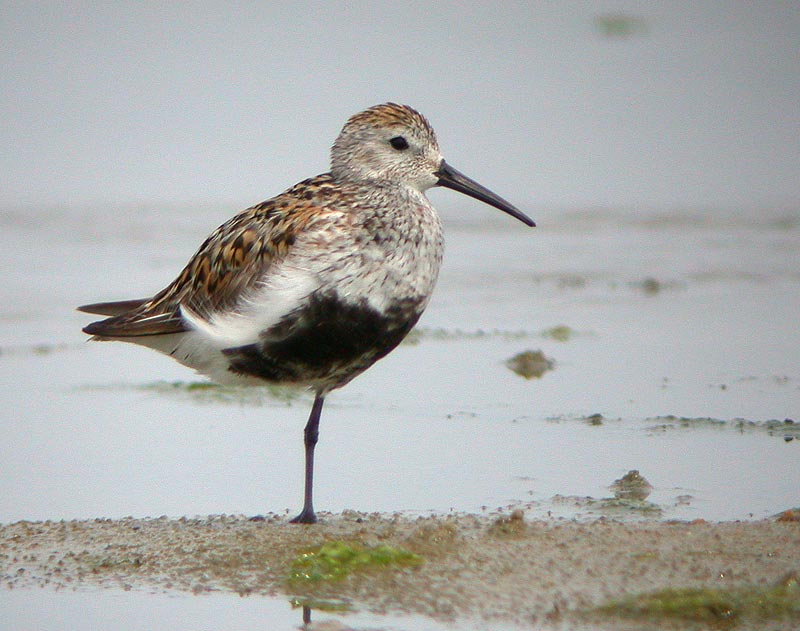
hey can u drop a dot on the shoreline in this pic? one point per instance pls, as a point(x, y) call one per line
point(492, 567)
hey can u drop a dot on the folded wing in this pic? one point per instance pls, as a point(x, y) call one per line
point(228, 265)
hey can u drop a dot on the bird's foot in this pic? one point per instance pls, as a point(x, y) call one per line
point(306, 516)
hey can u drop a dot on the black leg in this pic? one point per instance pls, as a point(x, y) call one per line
point(307, 515)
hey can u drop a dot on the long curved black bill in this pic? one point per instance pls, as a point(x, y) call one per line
point(452, 178)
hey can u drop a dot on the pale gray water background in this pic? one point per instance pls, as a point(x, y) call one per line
point(442, 424)
point(134, 611)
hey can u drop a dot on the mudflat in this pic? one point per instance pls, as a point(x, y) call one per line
point(498, 567)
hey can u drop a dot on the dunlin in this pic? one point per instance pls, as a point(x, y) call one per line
point(313, 286)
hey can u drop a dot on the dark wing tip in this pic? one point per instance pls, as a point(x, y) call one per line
point(132, 325)
point(112, 308)
point(94, 328)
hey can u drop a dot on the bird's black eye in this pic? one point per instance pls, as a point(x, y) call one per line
point(399, 143)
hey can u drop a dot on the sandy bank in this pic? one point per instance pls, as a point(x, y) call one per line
point(474, 566)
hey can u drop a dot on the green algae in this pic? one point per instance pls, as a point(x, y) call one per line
point(620, 25)
point(594, 419)
point(335, 560)
point(627, 505)
point(447, 335)
point(670, 421)
point(530, 364)
point(611, 505)
point(714, 605)
point(559, 333)
point(787, 429)
point(631, 486)
point(205, 392)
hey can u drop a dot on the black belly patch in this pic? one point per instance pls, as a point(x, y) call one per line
point(328, 340)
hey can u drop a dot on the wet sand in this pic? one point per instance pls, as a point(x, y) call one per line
point(501, 568)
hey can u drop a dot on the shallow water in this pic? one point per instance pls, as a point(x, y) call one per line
point(135, 610)
point(685, 314)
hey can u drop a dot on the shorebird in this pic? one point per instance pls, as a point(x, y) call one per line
point(312, 287)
